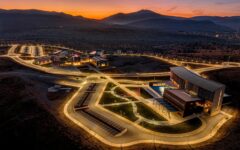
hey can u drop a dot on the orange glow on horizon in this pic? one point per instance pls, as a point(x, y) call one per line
point(93, 15)
point(96, 15)
point(97, 9)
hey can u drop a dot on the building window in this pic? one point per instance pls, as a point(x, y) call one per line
point(204, 94)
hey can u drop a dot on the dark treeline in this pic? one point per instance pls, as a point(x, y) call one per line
point(117, 38)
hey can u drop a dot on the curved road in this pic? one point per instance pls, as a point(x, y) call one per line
point(135, 134)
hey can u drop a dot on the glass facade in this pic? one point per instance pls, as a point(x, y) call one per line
point(205, 95)
point(209, 93)
point(179, 81)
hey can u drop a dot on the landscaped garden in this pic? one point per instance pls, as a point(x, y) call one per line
point(148, 113)
point(184, 127)
point(108, 98)
point(143, 93)
point(124, 110)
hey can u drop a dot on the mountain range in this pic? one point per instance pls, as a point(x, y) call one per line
point(153, 20)
point(13, 20)
point(144, 29)
point(18, 20)
point(231, 22)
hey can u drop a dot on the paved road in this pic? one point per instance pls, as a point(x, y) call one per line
point(65, 72)
point(22, 49)
point(40, 51)
point(11, 51)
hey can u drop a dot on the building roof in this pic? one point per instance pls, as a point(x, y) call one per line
point(42, 58)
point(195, 79)
point(97, 58)
point(184, 96)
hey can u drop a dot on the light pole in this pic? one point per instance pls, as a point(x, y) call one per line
point(229, 60)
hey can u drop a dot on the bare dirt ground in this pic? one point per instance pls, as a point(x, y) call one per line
point(135, 64)
point(24, 122)
point(7, 65)
point(30, 121)
point(3, 50)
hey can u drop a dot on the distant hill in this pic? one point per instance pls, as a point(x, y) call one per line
point(172, 25)
point(124, 19)
point(29, 11)
point(17, 20)
point(138, 31)
point(232, 22)
point(153, 20)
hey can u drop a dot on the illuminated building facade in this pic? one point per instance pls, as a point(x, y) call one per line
point(42, 60)
point(193, 91)
point(99, 62)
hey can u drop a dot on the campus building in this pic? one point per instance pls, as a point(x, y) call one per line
point(193, 92)
point(99, 62)
point(42, 60)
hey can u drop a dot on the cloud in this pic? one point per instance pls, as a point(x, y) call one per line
point(227, 2)
point(221, 3)
point(172, 8)
point(198, 12)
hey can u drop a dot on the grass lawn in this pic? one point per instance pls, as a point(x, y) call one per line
point(148, 113)
point(108, 98)
point(47, 65)
point(87, 71)
point(184, 127)
point(109, 86)
point(143, 93)
point(125, 110)
point(119, 91)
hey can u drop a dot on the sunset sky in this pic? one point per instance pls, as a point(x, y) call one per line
point(103, 8)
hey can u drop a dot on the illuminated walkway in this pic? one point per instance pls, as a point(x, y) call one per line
point(135, 110)
point(135, 134)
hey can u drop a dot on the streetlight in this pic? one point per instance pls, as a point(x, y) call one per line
point(229, 59)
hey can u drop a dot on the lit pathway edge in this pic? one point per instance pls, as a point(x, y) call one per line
point(94, 134)
point(205, 137)
point(68, 114)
